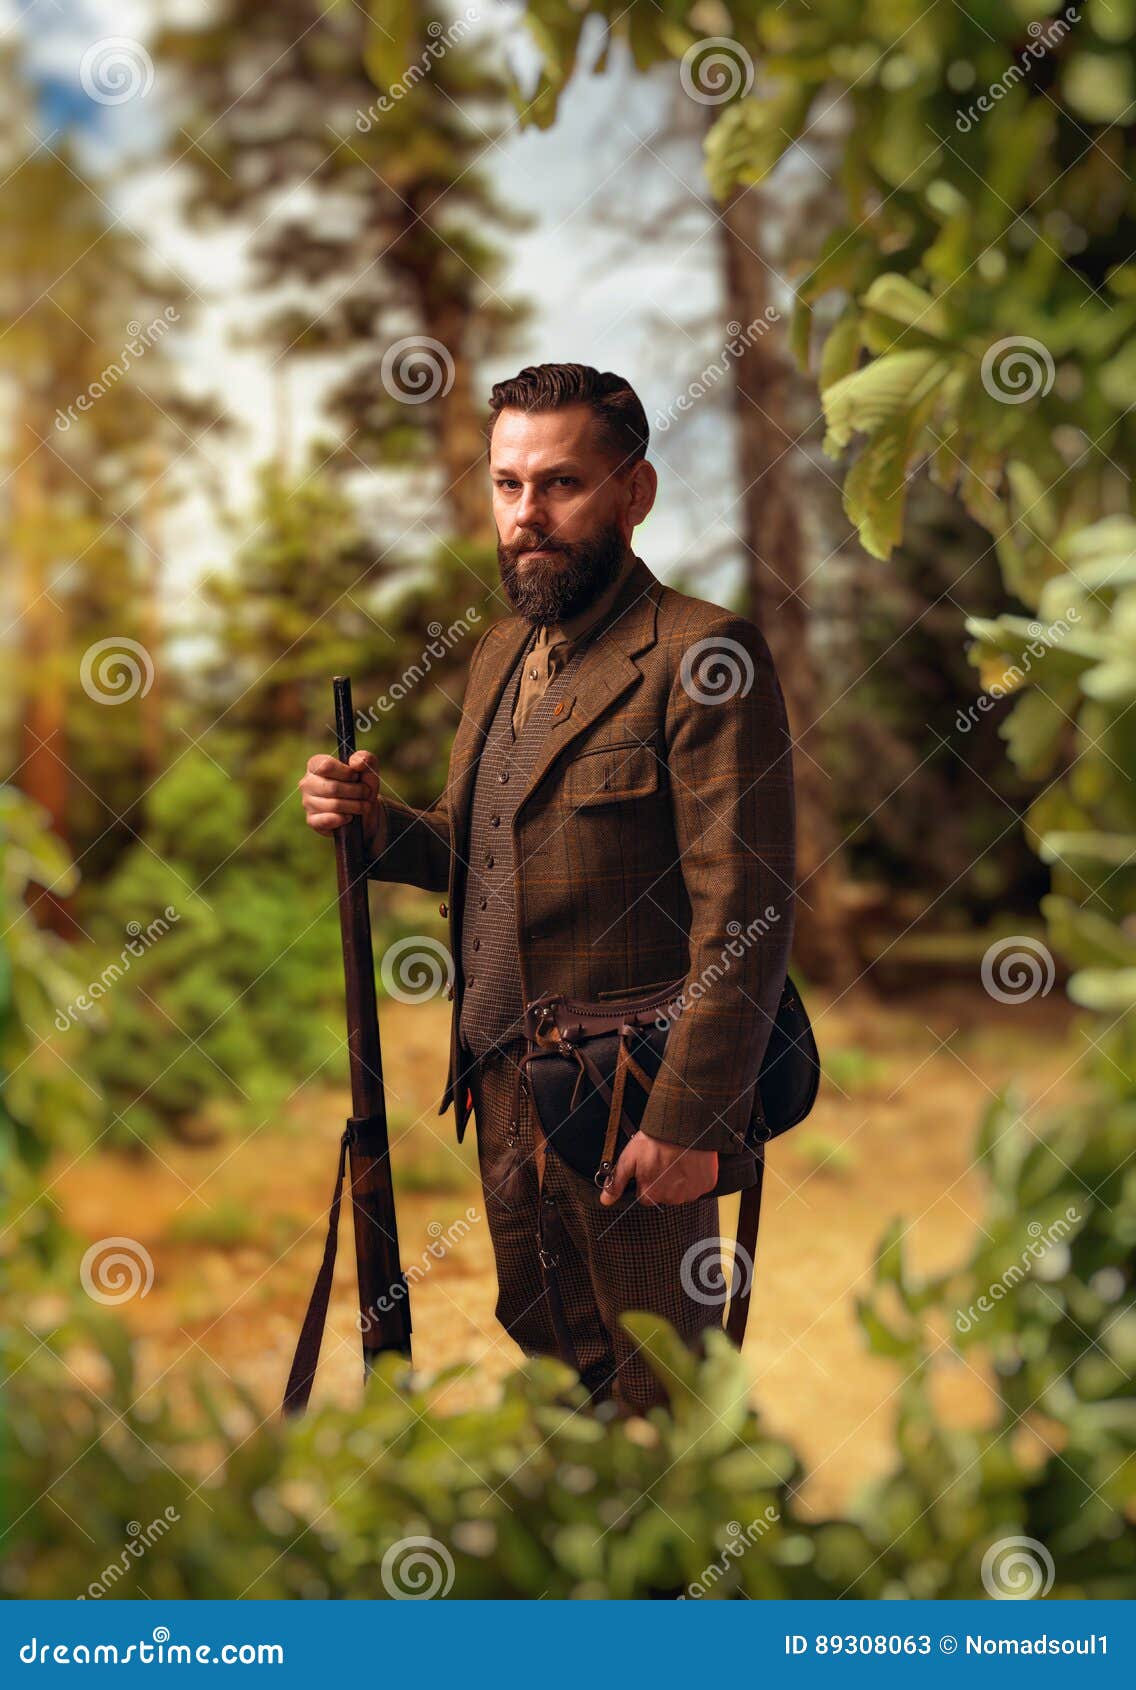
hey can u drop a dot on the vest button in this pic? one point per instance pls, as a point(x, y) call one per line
point(495, 821)
point(503, 776)
point(559, 709)
point(489, 859)
point(483, 903)
point(477, 944)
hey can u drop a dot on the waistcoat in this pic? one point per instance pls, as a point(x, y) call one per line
point(492, 1009)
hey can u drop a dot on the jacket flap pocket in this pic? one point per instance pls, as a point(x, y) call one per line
point(627, 770)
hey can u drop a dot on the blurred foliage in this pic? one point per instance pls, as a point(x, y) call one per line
point(962, 225)
point(1045, 1304)
point(238, 999)
point(358, 157)
point(36, 975)
point(904, 739)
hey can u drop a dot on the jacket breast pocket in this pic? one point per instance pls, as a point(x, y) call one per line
point(611, 774)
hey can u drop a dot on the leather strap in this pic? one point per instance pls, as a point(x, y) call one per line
point(551, 1236)
point(306, 1359)
point(745, 1253)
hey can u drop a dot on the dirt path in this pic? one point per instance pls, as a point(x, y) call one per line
point(236, 1230)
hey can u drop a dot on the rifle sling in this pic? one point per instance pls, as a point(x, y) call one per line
point(306, 1359)
point(357, 1131)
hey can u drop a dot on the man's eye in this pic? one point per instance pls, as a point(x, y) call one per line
point(566, 480)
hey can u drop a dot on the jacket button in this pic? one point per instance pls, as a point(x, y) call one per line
point(443, 909)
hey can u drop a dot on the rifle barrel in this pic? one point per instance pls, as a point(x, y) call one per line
point(384, 1302)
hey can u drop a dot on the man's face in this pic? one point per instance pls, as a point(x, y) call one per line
point(564, 512)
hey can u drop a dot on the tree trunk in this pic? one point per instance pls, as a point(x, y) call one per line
point(42, 773)
point(774, 592)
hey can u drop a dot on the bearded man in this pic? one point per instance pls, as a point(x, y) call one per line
point(619, 808)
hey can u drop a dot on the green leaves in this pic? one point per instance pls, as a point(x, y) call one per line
point(753, 134)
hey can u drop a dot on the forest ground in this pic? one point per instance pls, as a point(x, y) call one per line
point(236, 1229)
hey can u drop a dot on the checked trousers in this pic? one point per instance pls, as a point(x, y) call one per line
point(608, 1260)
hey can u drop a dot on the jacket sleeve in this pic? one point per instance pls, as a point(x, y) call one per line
point(412, 846)
point(729, 757)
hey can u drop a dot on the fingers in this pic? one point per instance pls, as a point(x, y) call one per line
point(622, 1174)
point(364, 765)
point(332, 791)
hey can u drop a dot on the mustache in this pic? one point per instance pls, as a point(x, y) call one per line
point(535, 544)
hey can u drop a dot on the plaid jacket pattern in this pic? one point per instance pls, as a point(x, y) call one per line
point(655, 838)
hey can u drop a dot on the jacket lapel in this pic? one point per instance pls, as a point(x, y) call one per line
point(605, 672)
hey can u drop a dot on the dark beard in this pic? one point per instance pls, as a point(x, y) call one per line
point(557, 587)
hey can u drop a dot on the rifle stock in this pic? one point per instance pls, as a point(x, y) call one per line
point(384, 1298)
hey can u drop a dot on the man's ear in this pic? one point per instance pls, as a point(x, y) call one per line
point(643, 484)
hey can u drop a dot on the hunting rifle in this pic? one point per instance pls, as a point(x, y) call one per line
point(384, 1298)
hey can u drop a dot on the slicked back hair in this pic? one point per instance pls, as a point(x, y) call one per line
point(550, 387)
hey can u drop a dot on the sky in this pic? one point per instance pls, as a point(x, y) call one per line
point(598, 301)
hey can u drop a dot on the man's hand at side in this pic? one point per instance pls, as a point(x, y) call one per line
point(666, 1173)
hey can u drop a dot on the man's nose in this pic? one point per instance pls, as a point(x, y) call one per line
point(530, 511)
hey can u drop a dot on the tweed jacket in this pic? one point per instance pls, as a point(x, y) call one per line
point(655, 839)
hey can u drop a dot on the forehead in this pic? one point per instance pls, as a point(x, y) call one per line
point(533, 442)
